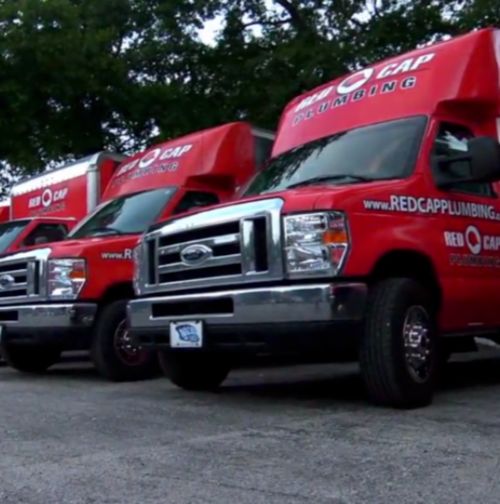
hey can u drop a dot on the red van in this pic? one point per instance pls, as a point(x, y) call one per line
point(374, 232)
point(73, 294)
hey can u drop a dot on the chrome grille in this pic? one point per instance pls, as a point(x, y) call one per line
point(21, 276)
point(239, 243)
point(17, 280)
point(224, 242)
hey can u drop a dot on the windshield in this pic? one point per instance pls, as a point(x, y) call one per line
point(9, 232)
point(382, 151)
point(130, 214)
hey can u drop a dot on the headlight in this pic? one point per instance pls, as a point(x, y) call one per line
point(137, 268)
point(316, 244)
point(66, 278)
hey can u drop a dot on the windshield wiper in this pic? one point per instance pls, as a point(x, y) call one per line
point(106, 230)
point(331, 178)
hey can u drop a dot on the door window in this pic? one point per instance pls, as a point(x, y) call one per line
point(46, 233)
point(193, 199)
point(451, 140)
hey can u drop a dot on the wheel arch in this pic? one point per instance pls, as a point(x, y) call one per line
point(409, 264)
point(117, 292)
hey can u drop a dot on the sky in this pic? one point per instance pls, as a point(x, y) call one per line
point(209, 31)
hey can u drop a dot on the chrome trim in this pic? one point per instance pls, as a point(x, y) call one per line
point(215, 261)
point(248, 245)
point(263, 133)
point(92, 186)
point(243, 215)
point(39, 254)
point(209, 242)
point(32, 258)
point(301, 303)
point(49, 316)
point(93, 179)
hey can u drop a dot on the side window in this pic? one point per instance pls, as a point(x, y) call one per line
point(193, 199)
point(451, 140)
point(263, 148)
point(46, 233)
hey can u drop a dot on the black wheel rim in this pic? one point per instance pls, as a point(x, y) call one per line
point(128, 353)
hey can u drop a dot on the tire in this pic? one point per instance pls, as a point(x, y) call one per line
point(194, 371)
point(392, 375)
point(112, 354)
point(29, 358)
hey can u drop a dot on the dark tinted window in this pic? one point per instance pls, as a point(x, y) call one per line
point(263, 148)
point(450, 141)
point(9, 232)
point(193, 199)
point(130, 214)
point(46, 233)
point(376, 152)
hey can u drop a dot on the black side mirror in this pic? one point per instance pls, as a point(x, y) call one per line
point(480, 164)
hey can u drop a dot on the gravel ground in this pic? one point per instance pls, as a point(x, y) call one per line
point(273, 435)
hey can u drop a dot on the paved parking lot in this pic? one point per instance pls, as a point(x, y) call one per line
point(295, 434)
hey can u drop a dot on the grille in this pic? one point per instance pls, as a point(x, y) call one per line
point(231, 250)
point(19, 279)
point(225, 260)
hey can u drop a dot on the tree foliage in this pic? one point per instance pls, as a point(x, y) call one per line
point(78, 76)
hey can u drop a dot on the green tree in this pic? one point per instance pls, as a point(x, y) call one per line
point(78, 76)
point(269, 52)
point(478, 13)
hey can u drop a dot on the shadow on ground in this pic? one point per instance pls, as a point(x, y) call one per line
point(325, 382)
point(343, 382)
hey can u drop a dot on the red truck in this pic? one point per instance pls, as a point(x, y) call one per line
point(4, 210)
point(374, 233)
point(73, 294)
point(45, 207)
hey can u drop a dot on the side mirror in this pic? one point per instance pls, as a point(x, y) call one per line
point(480, 164)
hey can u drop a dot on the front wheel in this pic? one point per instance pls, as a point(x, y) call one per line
point(194, 371)
point(399, 351)
point(113, 353)
point(30, 358)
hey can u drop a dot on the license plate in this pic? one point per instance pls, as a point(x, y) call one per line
point(186, 334)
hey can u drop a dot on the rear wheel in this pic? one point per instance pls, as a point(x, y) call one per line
point(113, 353)
point(194, 371)
point(30, 358)
point(399, 352)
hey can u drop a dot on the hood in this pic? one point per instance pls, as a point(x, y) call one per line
point(81, 247)
point(309, 198)
point(327, 196)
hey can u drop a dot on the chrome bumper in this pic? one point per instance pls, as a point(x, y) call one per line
point(275, 305)
point(49, 316)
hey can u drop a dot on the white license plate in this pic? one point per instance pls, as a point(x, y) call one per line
point(186, 334)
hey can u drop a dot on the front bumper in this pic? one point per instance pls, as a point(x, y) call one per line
point(273, 318)
point(63, 323)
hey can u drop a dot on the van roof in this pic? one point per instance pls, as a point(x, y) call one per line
point(217, 153)
point(66, 172)
point(460, 71)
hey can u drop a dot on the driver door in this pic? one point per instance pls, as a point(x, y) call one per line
point(470, 239)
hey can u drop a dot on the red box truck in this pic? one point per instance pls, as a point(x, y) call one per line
point(45, 207)
point(4, 210)
point(73, 294)
point(373, 233)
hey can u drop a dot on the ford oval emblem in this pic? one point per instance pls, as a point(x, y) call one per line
point(6, 281)
point(194, 255)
